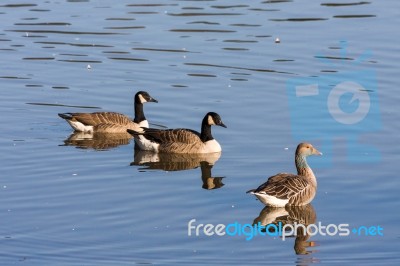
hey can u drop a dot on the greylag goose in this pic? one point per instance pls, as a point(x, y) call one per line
point(110, 122)
point(290, 215)
point(290, 189)
point(180, 140)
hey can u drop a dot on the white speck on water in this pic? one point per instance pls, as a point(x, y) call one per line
point(89, 67)
point(27, 34)
point(286, 148)
point(277, 40)
point(74, 174)
point(4, 186)
point(233, 206)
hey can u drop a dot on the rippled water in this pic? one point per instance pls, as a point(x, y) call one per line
point(69, 200)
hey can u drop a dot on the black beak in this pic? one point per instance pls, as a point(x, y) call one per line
point(152, 100)
point(222, 124)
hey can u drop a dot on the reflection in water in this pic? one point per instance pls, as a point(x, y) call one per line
point(304, 215)
point(179, 162)
point(97, 141)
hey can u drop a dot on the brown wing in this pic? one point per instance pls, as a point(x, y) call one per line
point(179, 140)
point(179, 135)
point(116, 128)
point(95, 119)
point(284, 186)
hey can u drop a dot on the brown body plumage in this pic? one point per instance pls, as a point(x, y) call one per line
point(290, 189)
point(180, 140)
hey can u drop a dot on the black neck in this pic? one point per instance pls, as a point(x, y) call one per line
point(205, 131)
point(139, 115)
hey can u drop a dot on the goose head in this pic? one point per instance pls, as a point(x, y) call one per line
point(306, 149)
point(144, 97)
point(214, 119)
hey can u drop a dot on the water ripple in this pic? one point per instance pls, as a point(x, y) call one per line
point(68, 32)
point(202, 75)
point(77, 44)
point(193, 14)
point(334, 57)
point(239, 68)
point(64, 105)
point(12, 77)
point(201, 30)
point(231, 6)
point(80, 61)
point(128, 59)
point(44, 24)
point(354, 16)
point(125, 28)
point(161, 50)
point(345, 4)
point(241, 41)
point(245, 25)
point(204, 22)
point(298, 19)
point(38, 58)
point(18, 5)
point(150, 5)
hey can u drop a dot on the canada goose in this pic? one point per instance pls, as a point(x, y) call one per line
point(110, 122)
point(180, 140)
point(290, 189)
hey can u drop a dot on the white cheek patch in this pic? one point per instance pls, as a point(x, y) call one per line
point(142, 99)
point(210, 120)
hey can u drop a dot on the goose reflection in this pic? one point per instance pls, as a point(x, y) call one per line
point(97, 140)
point(179, 162)
point(304, 215)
